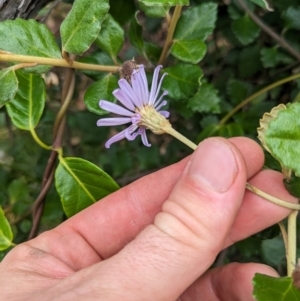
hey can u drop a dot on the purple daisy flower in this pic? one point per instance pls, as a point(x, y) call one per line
point(141, 107)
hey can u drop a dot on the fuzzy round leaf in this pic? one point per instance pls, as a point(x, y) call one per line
point(197, 23)
point(80, 183)
point(28, 37)
point(282, 138)
point(82, 25)
point(189, 51)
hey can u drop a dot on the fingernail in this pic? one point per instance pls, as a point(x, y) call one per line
point(213, 165)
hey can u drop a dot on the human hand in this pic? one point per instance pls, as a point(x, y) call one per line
point(156, 238)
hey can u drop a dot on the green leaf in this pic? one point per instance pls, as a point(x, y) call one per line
point(18, 191)
point(81, 183)
point(292, 185)
point(237, 90)
point(154, 11)
point(8, 84)
point(268, 288)
point(282, 137)
point(206, 100)
point(122, 10)
point(291, 17)
point(197, 23)
point(182, 81)
point(28, 37)
point(152, 52)
point(101, 89)
point(249, 61)
point(111, 37)
point(263, 4)
point(6, 234)
point(273, 251)
point(231, 130)
point(189, 51)
point(136, 34)
point(245, 29)
point(269, 57)
point(209, 131)
point(165, 2)
point(82, 25)
point(26, 109)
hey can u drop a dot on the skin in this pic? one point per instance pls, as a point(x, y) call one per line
point(156, 238)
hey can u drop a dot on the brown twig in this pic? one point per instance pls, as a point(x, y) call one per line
point(67, 93)
point(280, 40)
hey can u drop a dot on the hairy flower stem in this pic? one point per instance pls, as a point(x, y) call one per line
point(169, 38)
point(9, 57)
point(292, 242)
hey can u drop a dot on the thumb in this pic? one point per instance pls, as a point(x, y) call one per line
point(168, 256)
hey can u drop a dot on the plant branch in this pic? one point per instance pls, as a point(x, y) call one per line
point(255, 95)
point(38, 141)
point(169, 38)
point(280, 40)
point(292, 242)
point(8, 57)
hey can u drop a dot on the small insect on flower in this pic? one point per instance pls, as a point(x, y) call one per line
point(141, 107)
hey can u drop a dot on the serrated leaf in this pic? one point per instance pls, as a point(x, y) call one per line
point(8, 84)
point(111, 37)
point(28, 37)
point(101, 89)
point(263, 4)
point(6, 234)
point(165, 2)
point(189, 51)
point(268, 288)
point(80, 183)
point(154, 11)
point(182, 81)
point(135, 34)
point(264, 123)
point(197, 23)
point(26, 109)
point(291, 17)
point(282, 137)
point(245, 29)
point(237, 90)
point(82, 25)
point(206, 100)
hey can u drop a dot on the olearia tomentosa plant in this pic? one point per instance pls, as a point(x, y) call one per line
point(30, 50)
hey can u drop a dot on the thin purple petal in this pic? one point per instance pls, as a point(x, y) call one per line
point(124, 85)
point(113, 121)
point(113, 108)
point(137, 87)
point(143, 84)
point(115, 138)
point(124, 99)
point(145, 139)
point(159, 85)
point(165, 113)
point(163, 103)
point(130, 133)
point(154, 85)
point(160, 99)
